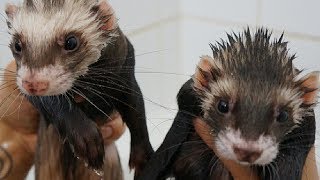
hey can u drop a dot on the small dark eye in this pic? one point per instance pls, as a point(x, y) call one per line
point(223, 106)
point(283, 116)
point(71, 43)
point(17, 46)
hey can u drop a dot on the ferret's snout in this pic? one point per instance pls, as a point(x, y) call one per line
point(247, 155)
point(37, 88)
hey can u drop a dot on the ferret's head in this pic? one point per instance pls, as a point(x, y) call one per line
point(252, 96)
point(54, 41)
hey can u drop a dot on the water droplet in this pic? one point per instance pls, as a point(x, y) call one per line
point(72, 148)
point(98, 172)
point(212, 132)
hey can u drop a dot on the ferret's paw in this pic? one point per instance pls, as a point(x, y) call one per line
point(139, 157)
point(87, 145)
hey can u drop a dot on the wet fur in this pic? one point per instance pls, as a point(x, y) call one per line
point(74, 123)
point(179, 154)
point(19, 131)
point(51, 152)
point(184, 155)
point(104, 77)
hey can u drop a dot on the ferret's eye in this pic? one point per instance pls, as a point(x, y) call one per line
point(71, 43)
point(223, 106)
point(18, 47)
point(283, 116)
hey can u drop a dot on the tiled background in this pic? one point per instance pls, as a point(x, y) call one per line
point(170, 35)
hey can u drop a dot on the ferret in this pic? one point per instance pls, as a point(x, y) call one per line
point(71, 49)
point(257, 105)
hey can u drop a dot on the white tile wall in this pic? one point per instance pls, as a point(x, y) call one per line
point(169, 36)
point(243, 11)
point(293, 15)
point(306, 54)
point(139, 14)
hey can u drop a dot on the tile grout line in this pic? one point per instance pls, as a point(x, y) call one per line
point(153, 25)
point(222, 22)
point(218, 22)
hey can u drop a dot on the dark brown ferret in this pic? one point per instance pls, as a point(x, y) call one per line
point(257, 109)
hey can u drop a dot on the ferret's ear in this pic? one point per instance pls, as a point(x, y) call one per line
point(207, 70)
point(106, 15)
point(10, 10)
point(310, 84)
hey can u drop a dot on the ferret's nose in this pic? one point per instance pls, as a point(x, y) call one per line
point(246, 155)
point(37, 88)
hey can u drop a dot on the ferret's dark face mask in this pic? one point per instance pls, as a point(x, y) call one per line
point(252, 96)
point(54, 42)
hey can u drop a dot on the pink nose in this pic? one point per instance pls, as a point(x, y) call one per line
point(246, 155)
point(36, 88)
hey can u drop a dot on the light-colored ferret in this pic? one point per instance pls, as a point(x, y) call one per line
point(55, 42)
point(257, 108)
point(65, 49)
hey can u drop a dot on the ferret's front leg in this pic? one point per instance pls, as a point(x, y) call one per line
point(74, 127)
point(133, 113)
point(160, 164)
